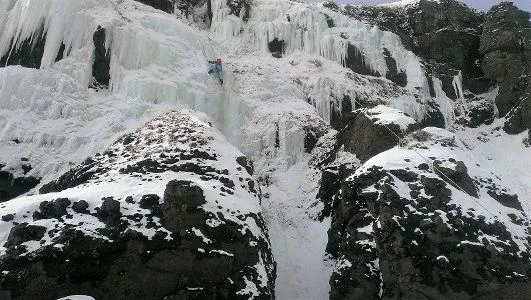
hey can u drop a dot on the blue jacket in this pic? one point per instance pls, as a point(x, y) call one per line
point(216, 68)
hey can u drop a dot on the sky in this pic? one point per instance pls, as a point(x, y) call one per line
point(483, 5)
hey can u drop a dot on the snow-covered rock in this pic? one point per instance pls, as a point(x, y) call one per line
point(172, 201)
point(374, 130)
point(405, 208)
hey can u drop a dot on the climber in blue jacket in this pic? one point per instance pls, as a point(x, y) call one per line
point(215, 67)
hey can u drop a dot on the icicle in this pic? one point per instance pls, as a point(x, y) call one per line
point(446, 105)
point(305, 28)
point(62, 21)
point(457, 83)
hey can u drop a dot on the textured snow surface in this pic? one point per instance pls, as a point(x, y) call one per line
point(478, 160)
point(385, 115)
point(155, 138)
point(403, 3)
point(76, 297)
point(297, 239)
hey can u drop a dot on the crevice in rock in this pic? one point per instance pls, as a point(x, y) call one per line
point(102, 60)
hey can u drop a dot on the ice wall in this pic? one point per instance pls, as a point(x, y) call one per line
point(305, 28)
point(157, 63)
point(61, 21)
point(446, 105)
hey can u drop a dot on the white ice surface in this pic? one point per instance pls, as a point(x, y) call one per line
point(76, 297)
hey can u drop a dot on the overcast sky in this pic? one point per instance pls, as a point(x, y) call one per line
point(483, 5)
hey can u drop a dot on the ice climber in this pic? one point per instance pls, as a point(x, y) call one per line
point(215, 67)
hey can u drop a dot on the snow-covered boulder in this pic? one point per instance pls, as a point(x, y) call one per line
point(167, 211)
point(372, 131)
point(402, 229)
point(16, 180)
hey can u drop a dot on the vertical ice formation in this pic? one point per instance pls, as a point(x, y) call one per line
point(446, 105)
point(155, 59)
point(305, 28)
point(223, 23)
point(327, 96)
point(61, 21)
point(457, 83)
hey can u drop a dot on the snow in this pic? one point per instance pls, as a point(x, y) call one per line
point(402, 3)
point(76, 297)
point(475, 154)
point(442, 257)
point(510, 164)
point(367, 229)
point(152, 139)
point(385, 115)
point(198, 233)
point(298, 239)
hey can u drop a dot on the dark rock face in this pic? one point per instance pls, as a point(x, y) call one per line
point(445, 31)
point(246, 163)
point(102, 60)
point(74, 177)
point(446, 34)
point(506, 45)
point(433, 117)
point(240, 8)
point(126, 266)
point(164, 5)
point(276, 47)
point(80, 206)
point(29, 53)
point(23, 232)
point(52, 209)
point(182, 200)
point(364, 138)
point(476, 112)
point(458, 177)
point(11, 186)
point(396, 76)
point(330, 186)
point(109, 212)
point(402, 233)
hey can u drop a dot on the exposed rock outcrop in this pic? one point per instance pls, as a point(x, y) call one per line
point(506, 44)
point(102, 60)
point(446, 34)
point(400, 230)
point(13, 184)
point(164, 5)
point(372, 131)
point(201, 235)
